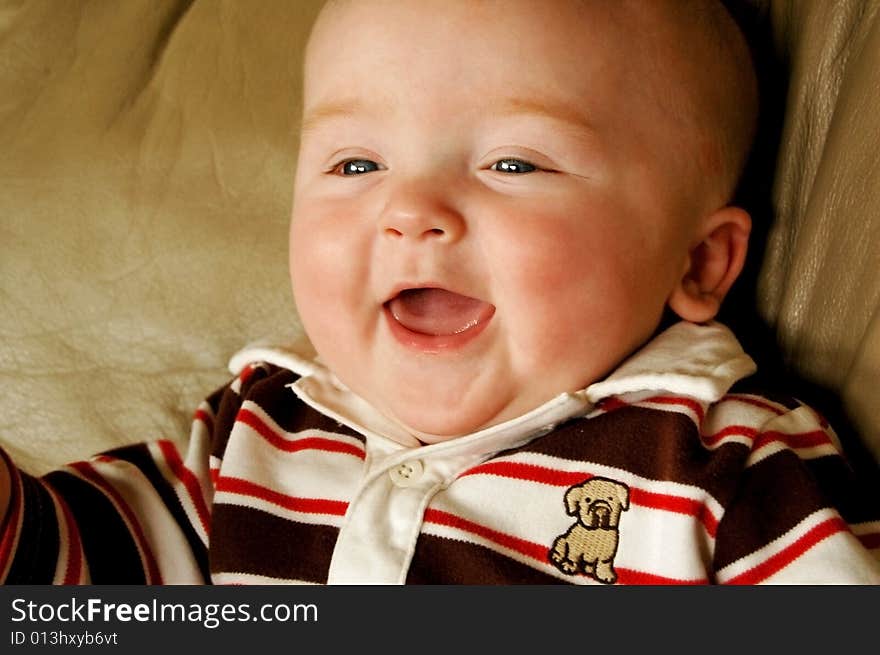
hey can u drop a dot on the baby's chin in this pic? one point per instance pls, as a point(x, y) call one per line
point(433, 426)
point(428, 432)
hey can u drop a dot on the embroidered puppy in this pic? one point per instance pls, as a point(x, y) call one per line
point(590, 544)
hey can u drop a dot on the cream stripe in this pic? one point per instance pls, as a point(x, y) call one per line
point(776, 546)
point(311, 518)
point(468, 537)
point(232, 578)
point(836, 558)
point(198, 457)
point(666, 487)
point(320, 474)
point(502, 510)
point(182, 493)
point(812, 452)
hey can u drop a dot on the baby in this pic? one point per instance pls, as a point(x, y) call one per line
point(496, 203)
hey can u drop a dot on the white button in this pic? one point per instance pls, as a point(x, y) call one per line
point(407, 474)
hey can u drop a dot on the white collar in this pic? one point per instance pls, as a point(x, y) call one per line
point(701, 361)
point(697, 361)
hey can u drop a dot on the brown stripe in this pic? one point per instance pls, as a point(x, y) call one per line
point(230, 403)
point(651, 443)
point(854, 497)
point(765, 508)
point(438, 560)
point(110, 549)
point(246, 540)
point(270, 378)
point(39, 540)
point(215, 399)
point(275, 397)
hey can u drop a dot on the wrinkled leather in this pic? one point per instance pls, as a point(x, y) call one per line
point(146, 164)
point(146, 161)
point(820, 282)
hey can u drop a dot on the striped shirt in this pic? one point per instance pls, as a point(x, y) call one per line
point(667, 472)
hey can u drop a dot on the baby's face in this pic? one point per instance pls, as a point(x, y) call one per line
point(483, 216)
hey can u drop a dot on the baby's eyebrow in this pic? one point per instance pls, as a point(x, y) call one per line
point(330, 110)
point(547, 108)
point(511, 106)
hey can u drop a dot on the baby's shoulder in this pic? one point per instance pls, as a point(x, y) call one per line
point(263, 373)
point(262, 396)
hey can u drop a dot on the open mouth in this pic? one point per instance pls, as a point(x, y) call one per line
point(433, 318)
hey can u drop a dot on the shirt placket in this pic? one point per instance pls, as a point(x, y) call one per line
point(377, 539)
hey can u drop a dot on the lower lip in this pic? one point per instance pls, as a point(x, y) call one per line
point(431, 343)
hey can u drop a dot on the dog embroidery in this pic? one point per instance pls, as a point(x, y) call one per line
point(590, 544)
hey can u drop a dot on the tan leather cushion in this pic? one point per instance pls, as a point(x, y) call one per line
point(146, 160)
point(820, 283)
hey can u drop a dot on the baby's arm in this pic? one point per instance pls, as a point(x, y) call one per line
point(124, 517)
point(136, 514)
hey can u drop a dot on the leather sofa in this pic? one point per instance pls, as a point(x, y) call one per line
point(146, 165)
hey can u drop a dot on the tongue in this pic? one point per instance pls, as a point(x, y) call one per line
point(437, 311)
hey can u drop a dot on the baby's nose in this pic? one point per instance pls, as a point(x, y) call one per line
point(414, 215)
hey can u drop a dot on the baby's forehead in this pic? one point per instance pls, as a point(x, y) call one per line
point(648, 49)
point(657, 33)
point(676, 69)
point(589, 16)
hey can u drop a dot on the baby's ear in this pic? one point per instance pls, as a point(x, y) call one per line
point(712, 265)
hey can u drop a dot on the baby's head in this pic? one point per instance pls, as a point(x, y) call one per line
point(496, 200)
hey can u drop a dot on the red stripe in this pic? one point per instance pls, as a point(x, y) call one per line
point(730, 430)
point(522, 546)
point(293, 503)
point(74, 570)
point(10, 524)
point(691, 404)
point(85, 469)
point(676, 504)
point(611, 403)
point(204, 417)
point(633, 577)
point(189, 480)
point(757, 402)
point(9, 533)
point(530, 472)
point(649, 499)
point(215, 475)
point(793, 441)
point(789, 554)
point(246, 373)
point(535, 551)
point(779, 411)
point(290, 446)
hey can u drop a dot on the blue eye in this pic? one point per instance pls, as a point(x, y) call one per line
point(357, 167)
point(513, 166)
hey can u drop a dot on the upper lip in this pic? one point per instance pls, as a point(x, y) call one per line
point(399, 288)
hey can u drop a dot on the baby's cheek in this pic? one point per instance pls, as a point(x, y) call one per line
point(537, 251)
point(320, 248)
